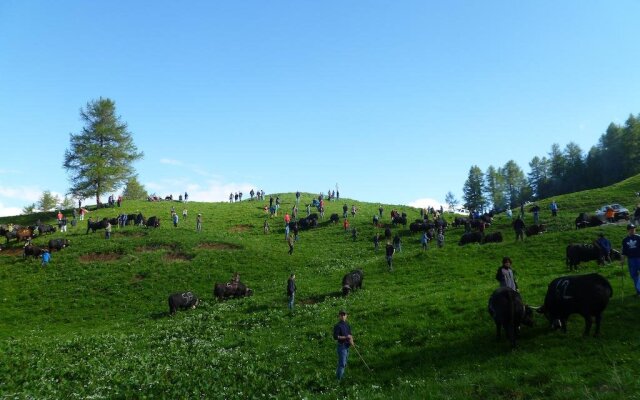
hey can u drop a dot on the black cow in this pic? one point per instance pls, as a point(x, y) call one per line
point(533, 230)
point(182, 301)
point(153, 222)
point(509, 311)
point(459, 221)
point(587, 295)
point(495, 237)
point(94, 226)
point(399, 219)
point(577, 253)
point(334, 218)
point(387, 233)
point(418, 226)
point(45, 228)
point(584, 220)
point(58, 244)
point(31, 250)
point(352, 280)
point(225, 290)
point(470, 237)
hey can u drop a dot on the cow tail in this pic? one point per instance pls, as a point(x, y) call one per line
point(512, 310)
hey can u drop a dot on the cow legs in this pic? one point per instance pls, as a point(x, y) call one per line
point(587, 324)
point(598, 320)
point(497, 331)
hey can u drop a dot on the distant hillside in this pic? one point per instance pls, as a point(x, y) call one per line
point(94, 323)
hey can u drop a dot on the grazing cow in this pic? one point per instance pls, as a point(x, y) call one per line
point(577, 253)
point(470, 237)
point(223, 291)
point(418, 226)
point(494, 237)
point(182, 301)
point(46, 228)
point(94, 226)
point(587, 295)
point(509, 311)
point(334, 218)
point(352, 280)
point(58, 244)
point(31, 250)
point(10, 235)
point(153, 222)
point(308, 222)
point(533, 230)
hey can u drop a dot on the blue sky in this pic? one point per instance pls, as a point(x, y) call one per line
point(393, 101)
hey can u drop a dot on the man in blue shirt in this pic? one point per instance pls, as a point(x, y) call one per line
point(604, 245)
point(631, 250)
point(342, 333)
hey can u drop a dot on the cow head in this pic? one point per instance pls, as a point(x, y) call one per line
point(527, 318)
point(249, 292)
point(553, 319)
point(346, 289)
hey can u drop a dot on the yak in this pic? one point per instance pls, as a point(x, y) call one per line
point(182, 301)
point(223, 291)
point(509, 311)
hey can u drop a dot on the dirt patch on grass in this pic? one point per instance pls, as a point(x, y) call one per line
point(137, 278)
point(177, 257)
point(104, 257)
point(153, 247)
point(219, 246)
point(240, 228)
point(11, 252)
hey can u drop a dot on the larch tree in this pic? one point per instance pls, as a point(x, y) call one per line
point(100, 158)
point(473, 189)
point(134, 190)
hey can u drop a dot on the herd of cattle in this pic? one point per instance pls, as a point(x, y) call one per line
point(587, 295)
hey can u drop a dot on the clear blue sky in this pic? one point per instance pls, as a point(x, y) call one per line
point(394, 101)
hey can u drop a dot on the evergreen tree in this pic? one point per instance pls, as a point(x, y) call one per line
point(451, 200)
point(472, 190)
point(48, 201)
point(494, 188)
point(67, 203)
point(134, 190)
point(100, 157)
point(573, 181)
point(539, 177)
point(30, 209)
point(515, 184)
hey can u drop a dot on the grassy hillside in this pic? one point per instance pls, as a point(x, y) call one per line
point(95, 322)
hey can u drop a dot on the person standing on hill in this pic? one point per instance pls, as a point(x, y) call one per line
point(376, 241)
point(424, 240)
point(389, 250)
point(397, 244)
point(518, 227)
point(265, 226)
point(199, 223)
point(184, 214)
point(380, 210)
point(536, 213)
point(298, 197)
point(308, 209)
point(175, 219)
point(46, 257)
point(554, 208)
point(290, 242)
point(291, 290)
point(107, 230)
point(345, 208)
point(604, 246)
point(342, 334)
point(505, 275)
point(631, 250)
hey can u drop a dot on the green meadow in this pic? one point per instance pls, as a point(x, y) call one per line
point(95, 324)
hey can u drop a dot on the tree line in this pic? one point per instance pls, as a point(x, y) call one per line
point(615, 157)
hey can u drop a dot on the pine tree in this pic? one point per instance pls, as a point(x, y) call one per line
point(100, 157)
point(134, 190)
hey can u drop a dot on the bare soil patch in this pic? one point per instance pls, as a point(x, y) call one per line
point(11, 252)
point(104, 257)
point(177, 257)
point(219, 246)
point(137, 278)
point(240, 228)
point(153, 247)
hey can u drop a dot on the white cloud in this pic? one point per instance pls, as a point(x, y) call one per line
point(170, 161)
point(26, 193)
point(9, 211)
point(426, 202)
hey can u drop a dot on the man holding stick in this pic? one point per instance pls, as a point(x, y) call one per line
point(342, 333)
point(631, 250)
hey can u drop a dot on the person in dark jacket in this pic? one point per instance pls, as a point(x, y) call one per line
point(342, 334)
point(389, 250)
point(291, 290)
point(518, 227)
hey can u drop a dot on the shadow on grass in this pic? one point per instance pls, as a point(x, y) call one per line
point(319, 298)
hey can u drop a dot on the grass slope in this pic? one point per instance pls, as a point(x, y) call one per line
point(94, 323)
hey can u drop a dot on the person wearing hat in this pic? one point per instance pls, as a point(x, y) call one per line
point(342, 334)
point(631, 250)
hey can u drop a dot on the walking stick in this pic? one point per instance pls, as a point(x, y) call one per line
point(365, 363)
point(622, 288)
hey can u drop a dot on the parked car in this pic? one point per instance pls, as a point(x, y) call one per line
point(619, 212)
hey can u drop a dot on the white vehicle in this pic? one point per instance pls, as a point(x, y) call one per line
point(462, 211)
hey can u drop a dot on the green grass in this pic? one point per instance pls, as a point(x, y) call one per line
point(94, 323)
